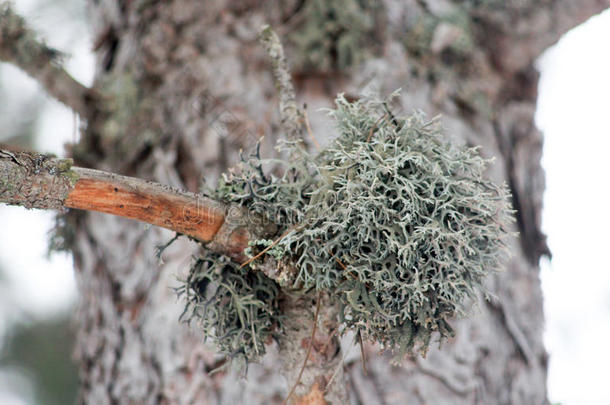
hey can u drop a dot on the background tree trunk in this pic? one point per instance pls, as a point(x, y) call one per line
point(190, 78)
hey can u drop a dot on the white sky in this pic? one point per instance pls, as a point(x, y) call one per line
point(573, 112)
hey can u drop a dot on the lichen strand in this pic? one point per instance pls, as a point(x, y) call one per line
point(236, 308)
point(392, 219)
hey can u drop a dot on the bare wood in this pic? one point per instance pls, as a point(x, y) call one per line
point(19, 46)
point(146, 201)
point(40, 181)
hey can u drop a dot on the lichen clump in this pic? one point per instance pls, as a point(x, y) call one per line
point(393, 220)
point(237, 308)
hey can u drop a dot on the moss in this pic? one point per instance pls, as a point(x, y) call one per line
point(72, 176)
point(63, 168)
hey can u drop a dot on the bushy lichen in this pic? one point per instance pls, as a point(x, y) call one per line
point(238, 309)
point(404, 227)
point(393, 220)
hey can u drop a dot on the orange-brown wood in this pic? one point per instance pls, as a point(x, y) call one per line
point(186, 213)
point(314, 397)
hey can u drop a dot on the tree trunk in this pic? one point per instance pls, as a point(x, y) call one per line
point(190, 84)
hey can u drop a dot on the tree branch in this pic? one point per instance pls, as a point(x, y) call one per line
point(40, 181)
point(19, 46)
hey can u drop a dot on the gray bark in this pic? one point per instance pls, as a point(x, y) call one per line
point(192, 81)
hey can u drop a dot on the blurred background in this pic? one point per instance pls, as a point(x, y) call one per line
point(37, 289)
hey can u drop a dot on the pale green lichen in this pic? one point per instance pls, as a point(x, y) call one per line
point(256, 246)
point(64, 169)
point(421, 28)
point(394, 221)
point(237, 308)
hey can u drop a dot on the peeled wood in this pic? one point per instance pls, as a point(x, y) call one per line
point(146, 201)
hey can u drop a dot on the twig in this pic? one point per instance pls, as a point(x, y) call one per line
point(309, 131)
point(291, 116)
point(374, 127)
point(19, 46)
point(265, 250)
point(313, 334)
point(362, 353)
point(339, 367)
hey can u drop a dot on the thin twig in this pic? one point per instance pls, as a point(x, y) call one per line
point(344, 267)
point(19, 46)
point(374, 127)
point(265, 250)
point(313, 334)
point(339, 366)
point(359, 336)
point(309, 131)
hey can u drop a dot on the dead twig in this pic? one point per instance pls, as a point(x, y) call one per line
point(374, 127)
point(309, 131)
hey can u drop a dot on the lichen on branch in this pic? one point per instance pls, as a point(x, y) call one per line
point(393, 220)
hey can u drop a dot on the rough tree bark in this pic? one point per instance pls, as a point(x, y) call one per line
point(191, 85)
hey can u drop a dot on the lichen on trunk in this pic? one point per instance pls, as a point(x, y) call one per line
point(198, 72)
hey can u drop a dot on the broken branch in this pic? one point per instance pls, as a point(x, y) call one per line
point(40, 181)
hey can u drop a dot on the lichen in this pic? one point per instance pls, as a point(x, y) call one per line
point(238, 309)
point(396, 222)
point(332, 35)
point(256, 246)
point(419, 30)
point(63, 168)
point(63, 233)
